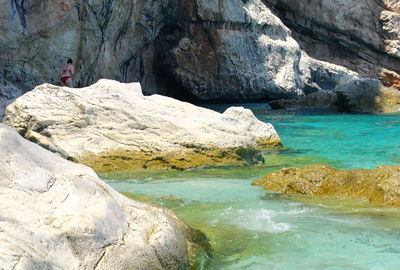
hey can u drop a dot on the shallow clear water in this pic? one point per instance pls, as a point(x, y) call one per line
point(252, 229)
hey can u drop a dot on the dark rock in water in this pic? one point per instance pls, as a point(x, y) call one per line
point(362, 95)
point(320, 99)
point(368, 96)
point(380, 185)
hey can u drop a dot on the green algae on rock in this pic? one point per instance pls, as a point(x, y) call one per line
point(131, 161)
point(380, 186)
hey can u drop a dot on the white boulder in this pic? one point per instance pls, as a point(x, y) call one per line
point(111, 119)
point(55, 214)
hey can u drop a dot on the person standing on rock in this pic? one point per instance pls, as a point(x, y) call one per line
point(66, 74)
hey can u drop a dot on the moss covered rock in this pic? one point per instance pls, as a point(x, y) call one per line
point(380, 185)
point(132, 161)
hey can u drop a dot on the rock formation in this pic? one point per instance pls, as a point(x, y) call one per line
point(231, 50)
point(198, 49)
point(362, 95)
point(192, 48)
point(368, 96)
point(106, 39)
point(319, 99)
point(363, 36)
point(59, 215)
point(380, 185)
point(112, 126)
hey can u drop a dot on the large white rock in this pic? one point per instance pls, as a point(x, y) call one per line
point(111, 116)
point(55, 214)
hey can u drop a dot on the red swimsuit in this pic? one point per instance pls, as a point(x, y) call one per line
point(65, 78)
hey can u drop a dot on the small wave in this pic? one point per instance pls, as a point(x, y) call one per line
point(296, 211)
point(260, 220)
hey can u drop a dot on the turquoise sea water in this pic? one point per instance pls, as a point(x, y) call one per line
point(253, 229)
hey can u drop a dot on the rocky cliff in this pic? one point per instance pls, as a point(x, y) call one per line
point(231, 50)
point(224, 49)
point(363, 36)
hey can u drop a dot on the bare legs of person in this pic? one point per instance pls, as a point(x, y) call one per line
point(69, 82)
point(66, 82)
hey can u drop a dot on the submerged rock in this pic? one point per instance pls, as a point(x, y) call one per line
point(380, 185)
point(59, 215)
point(111, 126)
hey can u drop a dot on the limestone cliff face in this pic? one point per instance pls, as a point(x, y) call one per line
point(363, 36)
point(109, 39)
point(230, 50)
point(195, 48)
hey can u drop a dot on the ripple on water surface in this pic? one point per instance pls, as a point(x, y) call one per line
point(251, 229)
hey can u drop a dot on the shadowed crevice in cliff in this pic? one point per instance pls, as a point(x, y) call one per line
point(18, 7)
point(164, 62)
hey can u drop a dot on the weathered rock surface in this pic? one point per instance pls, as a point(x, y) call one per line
point(188, 49)
point(380, 185)
point(112, 126)
point(197, 49)
point(8, 93)
point(59, 215)
point(362, 95)
point(106, 39)
point(368, 96)
point(363, 36)
point(390, 79)
point(320, 99)
point(231, 50)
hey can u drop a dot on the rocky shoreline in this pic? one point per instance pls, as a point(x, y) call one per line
point(112, 126)
point(57, 214)
point(380, 186)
